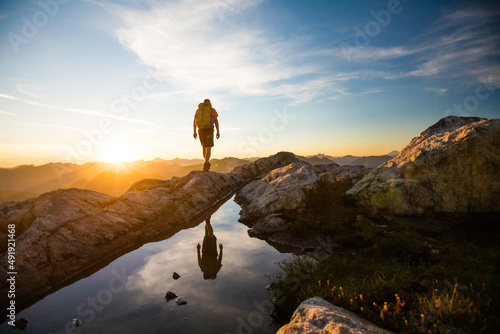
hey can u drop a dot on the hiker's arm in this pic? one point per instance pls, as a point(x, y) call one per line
point(217, 127)
point(219, 260)
point(194, 128)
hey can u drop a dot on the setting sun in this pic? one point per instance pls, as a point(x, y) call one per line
point(116, 152)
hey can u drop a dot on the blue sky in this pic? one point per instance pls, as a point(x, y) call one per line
point(105, 80)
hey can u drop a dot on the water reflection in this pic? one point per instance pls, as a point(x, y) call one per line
point(209, 261)
point(213, 305)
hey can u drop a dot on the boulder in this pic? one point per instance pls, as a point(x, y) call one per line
point(263, 166)
point(282, 189)
point(453, 167)
point(317, 316)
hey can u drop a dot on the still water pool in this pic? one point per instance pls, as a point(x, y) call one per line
point(224, 293)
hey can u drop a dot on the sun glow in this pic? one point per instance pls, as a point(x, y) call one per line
point(116, 152)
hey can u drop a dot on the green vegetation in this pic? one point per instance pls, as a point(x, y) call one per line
point(397, 278)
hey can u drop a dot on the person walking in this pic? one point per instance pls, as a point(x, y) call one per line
point(205, 118)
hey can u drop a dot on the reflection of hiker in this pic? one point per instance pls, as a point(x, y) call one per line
point(205, 118)
point(210, 262)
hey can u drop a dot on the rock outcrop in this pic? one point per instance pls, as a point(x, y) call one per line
point(263, 201)
point(263, 166)
point(450, 168)
point(64, 232)
point(316, 315)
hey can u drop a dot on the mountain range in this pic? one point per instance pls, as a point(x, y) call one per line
point(371, 161)
point(26, 181)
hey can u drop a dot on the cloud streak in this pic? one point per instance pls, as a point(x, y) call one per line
point(461, 46)
point(2, 112)
point(79, 111)
point(464, 44)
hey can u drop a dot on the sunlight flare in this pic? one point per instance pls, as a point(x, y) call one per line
point(117, 152)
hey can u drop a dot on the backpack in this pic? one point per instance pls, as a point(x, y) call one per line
point(204, 117)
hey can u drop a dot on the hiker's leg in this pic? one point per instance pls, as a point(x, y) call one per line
point(204, 153)
point(209, 231)
point(208, 153)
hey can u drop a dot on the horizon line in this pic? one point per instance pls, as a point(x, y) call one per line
point(226, 157)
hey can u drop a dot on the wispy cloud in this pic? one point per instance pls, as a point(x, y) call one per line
point(463, 44)
point(9, 97)
point(2, 112)
point(198, 48)
point(78, 111)
point(29, 89)
point(366, 54)
point(437, 91)
point(53, 126)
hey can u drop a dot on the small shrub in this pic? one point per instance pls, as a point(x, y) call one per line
point(285, 289)
point(403, 247)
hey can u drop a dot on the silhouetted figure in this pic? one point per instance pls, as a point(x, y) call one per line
point(205, 118)
point(209, 261)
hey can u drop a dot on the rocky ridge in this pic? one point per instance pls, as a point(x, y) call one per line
point(450, 168)
point(62, 233)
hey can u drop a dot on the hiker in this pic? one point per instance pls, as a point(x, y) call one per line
point(205, 118)
point(209, 261)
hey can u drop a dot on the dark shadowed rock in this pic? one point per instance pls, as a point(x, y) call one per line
point(263, 201)
point(20, 324)
point(170, 295)
point(450, 168)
